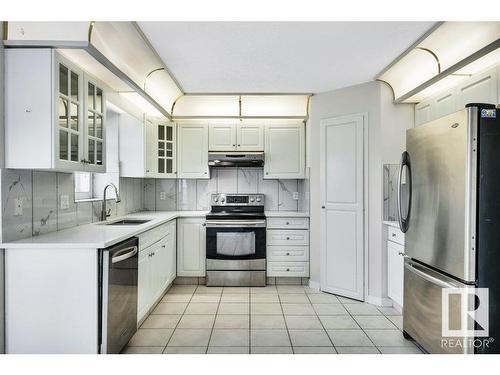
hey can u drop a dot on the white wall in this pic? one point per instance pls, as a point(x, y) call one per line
point(386, 126)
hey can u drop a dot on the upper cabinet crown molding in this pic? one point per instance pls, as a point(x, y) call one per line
point(55, 113)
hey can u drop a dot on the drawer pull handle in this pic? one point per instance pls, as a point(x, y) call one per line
point(401, 253)
point(288, 270)
point(287, 253)
point(163, 246)
point(393, 234)
point(288, 238)
point(287, 223)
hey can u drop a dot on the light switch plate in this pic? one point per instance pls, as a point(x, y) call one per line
point(296, 195)
point(64, 202)
point(163, 195)
point(18, 206)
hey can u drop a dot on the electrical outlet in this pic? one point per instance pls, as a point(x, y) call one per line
point(64, 202)
point(296, 195)
point(18, 207)
point(163, 195)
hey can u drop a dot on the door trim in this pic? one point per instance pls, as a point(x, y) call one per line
point(323, 123)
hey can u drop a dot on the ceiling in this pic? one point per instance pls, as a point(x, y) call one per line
point(278, 56)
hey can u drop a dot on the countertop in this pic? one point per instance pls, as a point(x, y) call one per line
point(287, 214)
point(99, 235)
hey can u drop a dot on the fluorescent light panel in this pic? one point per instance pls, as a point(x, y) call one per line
point(142, 103)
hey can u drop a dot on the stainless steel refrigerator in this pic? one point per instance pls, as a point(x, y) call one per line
point(450, 175)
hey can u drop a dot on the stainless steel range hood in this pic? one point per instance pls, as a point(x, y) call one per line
point(235, 159)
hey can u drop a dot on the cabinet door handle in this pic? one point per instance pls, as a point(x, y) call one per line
point(239, 145)
point(323, 207)
point(401, 253)
point(163, 246)
point(287, 223)
point(234, 145)
point(393, 234)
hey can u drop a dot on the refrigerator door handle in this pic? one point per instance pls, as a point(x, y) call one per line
point(413, 267)
point(405, 162)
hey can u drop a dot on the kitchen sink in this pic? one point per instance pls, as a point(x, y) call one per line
point(128, 222)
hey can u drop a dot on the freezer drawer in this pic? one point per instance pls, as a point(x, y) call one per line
point(422, 310)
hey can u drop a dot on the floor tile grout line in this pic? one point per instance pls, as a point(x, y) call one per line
point(352, 317)
point(322, 325)
point(215, 319)
point(286, 324)
point(182, 315)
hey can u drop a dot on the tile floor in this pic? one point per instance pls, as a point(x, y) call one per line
point(283, 319)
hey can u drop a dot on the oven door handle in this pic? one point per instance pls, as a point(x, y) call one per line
point(236, 223)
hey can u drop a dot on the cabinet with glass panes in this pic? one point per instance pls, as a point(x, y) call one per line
point(60, 125)
point(160, 148)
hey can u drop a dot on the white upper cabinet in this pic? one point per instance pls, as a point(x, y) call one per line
point(236, 137)
point(250, 137)
point(192, 157)
point(481, 88)
point(147, 149)
point(222, 137)
point(285, 151)
point(55, 113)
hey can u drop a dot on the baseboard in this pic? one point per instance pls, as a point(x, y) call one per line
point(378, 301)
point(314, 285)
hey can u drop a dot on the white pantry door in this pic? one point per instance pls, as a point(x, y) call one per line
point(342, 216)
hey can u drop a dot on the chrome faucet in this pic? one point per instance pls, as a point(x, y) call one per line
point(104, 213)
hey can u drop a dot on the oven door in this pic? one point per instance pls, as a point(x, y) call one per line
point(236, 239)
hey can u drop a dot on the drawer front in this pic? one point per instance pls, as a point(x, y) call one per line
point(287, 223)
point(395, 235)
point(288, 269)
point(288, 253)
point(276, 237)
point(148, 238)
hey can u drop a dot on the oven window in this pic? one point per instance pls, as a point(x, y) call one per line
point(235, 243)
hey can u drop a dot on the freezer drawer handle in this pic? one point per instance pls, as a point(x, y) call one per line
point(443, 284)
point(404, 222)
point(124, 254)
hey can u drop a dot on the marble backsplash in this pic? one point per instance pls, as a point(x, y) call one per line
point(182, 195)
point(41, 193)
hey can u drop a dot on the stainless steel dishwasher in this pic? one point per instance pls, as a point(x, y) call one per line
point(118, 295)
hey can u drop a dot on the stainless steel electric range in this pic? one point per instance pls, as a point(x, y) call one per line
point(236, 240)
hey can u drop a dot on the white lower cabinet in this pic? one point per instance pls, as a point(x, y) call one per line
point(157, 265)
point(191, 253)
point(395, 266)
point(287, 249)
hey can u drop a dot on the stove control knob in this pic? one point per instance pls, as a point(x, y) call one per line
point(258, 199)
point(216, 199)
point(252, 199)
point(222, 200)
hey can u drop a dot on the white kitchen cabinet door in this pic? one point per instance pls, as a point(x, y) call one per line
point(171, 253)
point(250, 137)
point(481, 88)
point(94, 110)
point(395, 272)
point(222, 137)
point(192, 145)
point(445, 103)
point(150, 148)
point(191, 247)
point(284, 151)
point(144, 284)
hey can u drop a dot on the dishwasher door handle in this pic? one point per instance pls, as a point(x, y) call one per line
point(124, 254)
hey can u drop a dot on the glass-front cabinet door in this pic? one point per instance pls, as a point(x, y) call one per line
point(166, 149)
point(95, 126)
point(160, 148)
point(69, 127)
